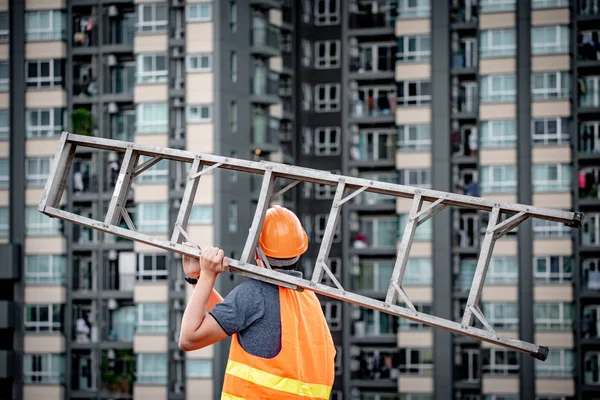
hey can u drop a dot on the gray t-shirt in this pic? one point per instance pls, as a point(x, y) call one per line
point(252, 311)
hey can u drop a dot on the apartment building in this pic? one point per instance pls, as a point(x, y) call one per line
point(416, 92)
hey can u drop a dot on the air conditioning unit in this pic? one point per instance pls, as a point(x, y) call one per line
point(113, 11)
point(178, 102)
point(113, 108)
point(179, 33)
point(178, 304)
point(111, 60)
point(179, 83)
point(179, 387)
point(178, 355)
point(177, 52)
point(179, 286)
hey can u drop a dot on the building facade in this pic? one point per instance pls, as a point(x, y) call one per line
point(416, 92)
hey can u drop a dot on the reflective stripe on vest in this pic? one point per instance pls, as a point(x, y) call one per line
point(303, 369)
point(275, 382)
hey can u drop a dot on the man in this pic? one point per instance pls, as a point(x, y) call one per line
point(281, 345)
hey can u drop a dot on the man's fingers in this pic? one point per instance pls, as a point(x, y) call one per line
point(220, 254)
point(225, 262)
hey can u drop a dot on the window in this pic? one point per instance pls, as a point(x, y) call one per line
point(4, 76)
point(151, 369)
point(498, 88)
point(152, 118)
point(413, 48)
point(497, 43)
point(414, 93)
point(414, 9)
point(327, 141)
point(551, 130)
point(4, 173)
point(46, 368)
point(407, 324)
point(498, 133)
point(199, 12)
point(377, 232)
point(550, 39)
point(415, 177)
point(201, 214)
point(414, 137)
point(4, 124)
point(502, 270)
point(419, 272)
point(152, 267)
point(37, 171)
point(43, 318)
point(375, 323)
point(550, 85)
point(45, 269)
point(152, 217)
point(199, 62)
point(591, 365)
point(233, 16)
point(152, 68)
point(498, 179)
point(373, 276)
point(489, 6)
point(553, 316)
point(4, 27)
point(4, 222)
point(333, 314)
point(233, 216)
point(38, 224)
point(321, 223)
point(416, 361)
point(152, 17)
point(306, 53)
point(199, 113)
point(327, 12)
point(552, 269)
point(44, 122)
point(158, 173)
point(327, 97)
point(376, 145)
point(151, 318)
point(324, 192)
point(551, 178)
point(198, 369)
point(423, 231)
point(45, 25)
point(44, 74)
point(549, 229)
point(327, 54)
point(233, 66)
point(233, 117)
point(537, 4)
point(500, 362)
point(589, 91)
point(501, 315)
point(560, 363)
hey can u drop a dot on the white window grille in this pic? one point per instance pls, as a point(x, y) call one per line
point(327, 12)
point(414, 48)
point(151, 318)
point(551, 131)
point(152, 17)
point(551, 178)
point(152, 118)
point(200, 62)
point(43, 318)
point(199, 113)
point(200, 12)
point(152, 267)
point(327, 97)
point(498, 88)
point(553, 316)
point(497, 43)
point(152, 68)
point(498, 179)
point(498, 133)
point(550, 39)
point(552, 269)
point(414, 137)
point(152, 217)
point(551, 85)
point(327, 141)
point(327, 54)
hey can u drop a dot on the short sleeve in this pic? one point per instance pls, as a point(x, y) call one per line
point(243, 306)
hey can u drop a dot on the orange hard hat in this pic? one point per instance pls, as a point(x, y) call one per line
point(282, 235)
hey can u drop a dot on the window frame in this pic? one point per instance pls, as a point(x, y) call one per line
point(51, 81)
point(556, 47)
point(497, 96)
point(194, 375)
point(494, 6)
point(405, 143)
point(406, 11)
point(46, 373)
point(154, 75)
point(335, 324)
point(546, 277)
point(327, 147)
point(490, 139)
point(562, 135)
point(197, 118)
point(494, 313)
point(37, 34)
point(40, 225)
point(550, 324)
point(152, 326)
point(199, 7)
point(153, 274)
point(153, 126)
point(545, 369)
point(56, 274)
point(208, 57)
point(153, 24)
point(377, 135)
point(497, 369)
point(332, 54)
point(499, 271)
point(488, 47)
point(198, 221)
point(421, 52)
point(327, 17)
point(45, 326)
point(404, 99)
point(150, 377)
point(562, 183)
point(547, 92)
point(330, 102)
point(41, 174)
point(423, 175)
point(152, 225)
point(158, 173)
point(544, 229)
point(36, 131)
point(503, 186)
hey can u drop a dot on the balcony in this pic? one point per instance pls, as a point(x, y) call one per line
point(464, 145)
point(118, 372)
point(266, 41)
point(464, 63)
point(85, 83)
point(589, 9)
point(120, 33)
point(374, 149)
point(85, 33)
point(380, 67)
point(119, 327)
point(464, 18)
point(120, 83)
point(265, 88)
point(366, 22)
point(373, 106)
point(265, 133)
point(120, 281)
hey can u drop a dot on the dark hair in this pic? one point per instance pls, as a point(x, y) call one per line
point(287, 267)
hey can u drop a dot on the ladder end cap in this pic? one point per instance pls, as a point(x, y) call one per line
point(542, 353)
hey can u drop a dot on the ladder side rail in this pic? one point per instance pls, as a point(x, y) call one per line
point(315, 176)
point(330, 227)
point(122, 186)
point(187, 201)
point(266, 192)
point(59, 173)
point(404, 251)
point(487, 247)
point(279, 278)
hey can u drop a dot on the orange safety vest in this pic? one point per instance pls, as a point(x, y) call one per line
point(303, 369)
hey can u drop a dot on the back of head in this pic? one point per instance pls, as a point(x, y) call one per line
point(282, 238)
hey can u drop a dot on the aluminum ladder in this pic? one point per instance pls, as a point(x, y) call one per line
point(202, 164)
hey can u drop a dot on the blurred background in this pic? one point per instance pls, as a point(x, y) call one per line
point(415, 92)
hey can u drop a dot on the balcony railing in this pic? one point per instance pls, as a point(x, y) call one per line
point(269, 37)
point(265, 130)
point(265, 85)
point(588, 8)
point(120, 31)
point(383, 63)
point(115, 280)
point(122, 79)
point(371, 20)
point(85, 33)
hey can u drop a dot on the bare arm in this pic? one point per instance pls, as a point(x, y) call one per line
point(199, 329)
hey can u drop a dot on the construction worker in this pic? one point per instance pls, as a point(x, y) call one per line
point(281, 346)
